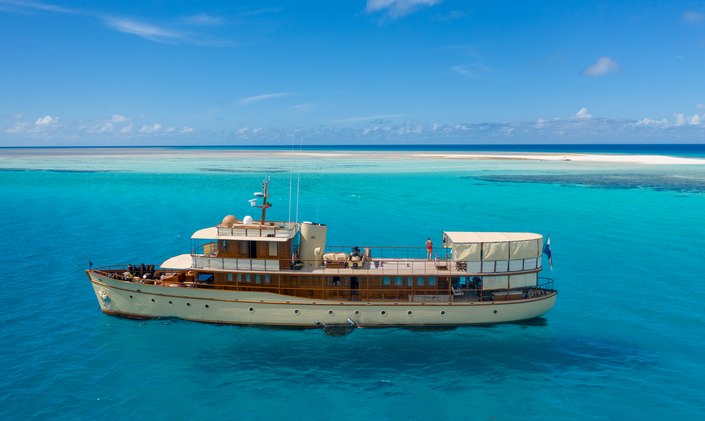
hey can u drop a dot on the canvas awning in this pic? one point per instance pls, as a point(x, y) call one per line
point(489, 246)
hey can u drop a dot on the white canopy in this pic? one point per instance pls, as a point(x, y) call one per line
point(212, 234)
point(489, 246)
point(182, 261)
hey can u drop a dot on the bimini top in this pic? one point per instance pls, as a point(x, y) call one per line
point(483, 246)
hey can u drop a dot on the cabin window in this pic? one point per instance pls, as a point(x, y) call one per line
point(230, 277)
point(431, 280)
point(239, 277)
point(243, 248)
point(397, 280)
point(386, 281)
point(224, 245)
point(409, 281)
point(248, 277)
point(420, 281)
point(258, 279)
point(267, 279)
point(273, 248)
point(206, 278)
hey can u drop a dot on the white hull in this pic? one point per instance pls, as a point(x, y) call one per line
point(255, 308)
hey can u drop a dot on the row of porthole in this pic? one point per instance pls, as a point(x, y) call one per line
point(330, 312)
point(171, 302)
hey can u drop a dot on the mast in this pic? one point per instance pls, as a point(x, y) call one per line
point(265, 204)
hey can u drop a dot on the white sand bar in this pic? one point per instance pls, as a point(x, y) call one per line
point(596, 158)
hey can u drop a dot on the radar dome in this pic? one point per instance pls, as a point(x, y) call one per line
point(228, 221)
point(247, 220)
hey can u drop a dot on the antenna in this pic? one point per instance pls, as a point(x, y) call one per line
point(264, 195)
point(298, 180)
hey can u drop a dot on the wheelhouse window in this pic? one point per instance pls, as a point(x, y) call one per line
point(273, 248)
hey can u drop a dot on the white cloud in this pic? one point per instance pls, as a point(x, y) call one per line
point(680, 119)
point(147, 129)
point(540, 123)
point(143, 30)
point(694, 120)
point(118, 118)
point(398, 8)
point(583, 113)
point(603, 66)
point(263, 97)
point(46, 121)
point(652, 123)
point(186, 130)
point(127, 129)
point(693, 17)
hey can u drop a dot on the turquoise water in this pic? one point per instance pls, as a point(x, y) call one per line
point(625, 340)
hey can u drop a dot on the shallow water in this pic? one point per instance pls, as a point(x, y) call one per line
point(623, 342)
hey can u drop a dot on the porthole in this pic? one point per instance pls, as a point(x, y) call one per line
point(383, 312)
point(188, 304)
point(170, 302)
point(409, 312)
point(495, 312)
point(131, 296)
point(443, 312)
point(331, 312)
point(357, 312)
point(297, 311)
point(152, 299)
point(207, 306)
point(252, 310)
point(139, 290)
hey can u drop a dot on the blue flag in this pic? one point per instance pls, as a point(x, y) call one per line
point(547, 251)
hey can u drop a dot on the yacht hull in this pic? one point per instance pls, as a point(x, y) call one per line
point(137, 300)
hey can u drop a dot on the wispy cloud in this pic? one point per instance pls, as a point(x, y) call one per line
point(474, 71)
point(693, 17)
point(397, 8)
point(20, 4)
point(263, 97)
point(143, 30)
point(133, 26)
point(602, 67)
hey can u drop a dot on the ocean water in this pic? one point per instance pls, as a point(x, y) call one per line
point(626, 339)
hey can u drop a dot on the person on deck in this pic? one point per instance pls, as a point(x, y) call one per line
point(429, 249)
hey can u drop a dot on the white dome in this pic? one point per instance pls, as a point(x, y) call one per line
point(247, 220)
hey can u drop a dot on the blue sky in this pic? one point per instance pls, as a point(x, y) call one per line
point(351, 72)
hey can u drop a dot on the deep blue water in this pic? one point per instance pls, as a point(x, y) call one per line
point(685, 150)
point(625, 340)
